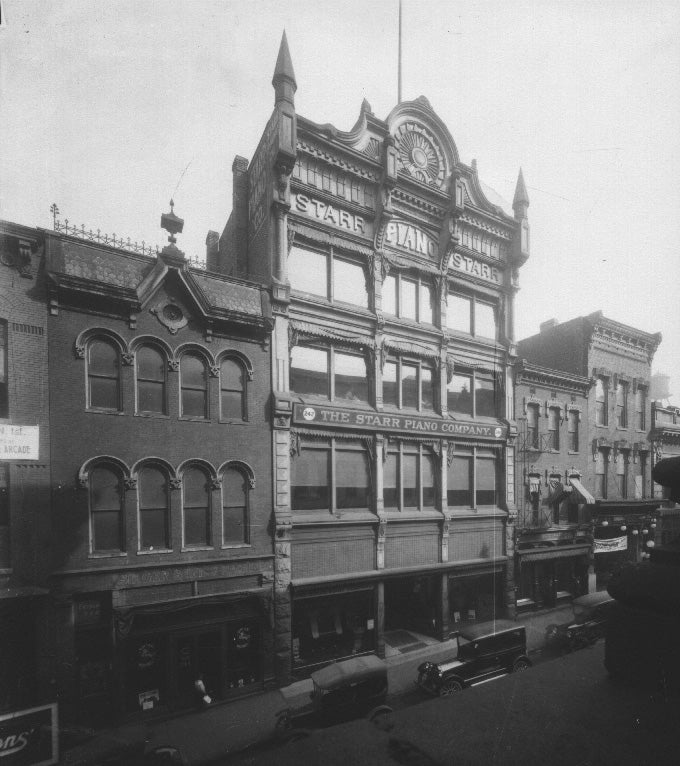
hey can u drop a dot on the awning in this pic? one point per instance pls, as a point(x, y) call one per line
point(581, 490)
point(557, 491)
point(534, 484)
point(554, 552)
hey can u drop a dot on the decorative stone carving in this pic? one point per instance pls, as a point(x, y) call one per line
point(175, 483)
point(214, 371)
point(173, 365)
point(170, 315)
point(127, 358)
point(79, 351)
point(130, 482)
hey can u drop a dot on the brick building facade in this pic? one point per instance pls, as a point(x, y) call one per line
point(617, 421)
point(24, 472)
point(393, 279)
point(665, 439)
point(162, 560)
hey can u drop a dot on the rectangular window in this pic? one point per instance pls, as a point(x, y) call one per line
point(459, 482)
point(640, 405)
point(472, 316)
point(643, 475)
point(472, 393)
point(349, 283)
point(622, 404)
point(328, 276)
point(622, 474)
point(330, 474)
point(485, 320)
point(601, 401)
point(329, 373)
point(408, 478)
point(4, 516)
point(408, 385)
point(532, 426)
point(408, 298)
point(554, 427)
point(459, 313)
point(485, 480)
point(573, 430)
point(472, 479)
point(601, 474)
point(4, 373)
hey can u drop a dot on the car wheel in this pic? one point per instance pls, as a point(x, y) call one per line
point(450, 687)
point(520, 666)
point(551, 632)
point(283, 724)
point(380, 717)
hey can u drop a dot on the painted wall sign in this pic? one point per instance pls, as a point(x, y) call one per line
point(476, 268)
point(611, 545)
point(411, 238)
point(379, 421)
point(19, 442)
point(322, 211)
point(30, 737)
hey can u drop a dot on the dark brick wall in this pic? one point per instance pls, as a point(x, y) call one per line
point(562, 347)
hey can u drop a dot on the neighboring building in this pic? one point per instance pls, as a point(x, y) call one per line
point(24, 467)
point(161, 546)
point(393, 279)
point(665, 439)
point(553, 533)
point(618, 358)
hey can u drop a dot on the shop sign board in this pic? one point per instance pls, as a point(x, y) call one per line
point(19, 442)
point(379, 421)
point(329, 214)
point(30, 737)
point(476, 268)
point(406, 236)
point(611, 545)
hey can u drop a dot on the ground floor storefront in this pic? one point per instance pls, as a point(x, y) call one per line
point(335, 621)
point(548, 574)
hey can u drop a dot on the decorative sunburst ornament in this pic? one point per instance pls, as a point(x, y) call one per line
point(419, 154)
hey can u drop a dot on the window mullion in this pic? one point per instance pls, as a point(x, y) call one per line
point(329, 275)
point(330, 361)
point(474, 478)
point(334, 502)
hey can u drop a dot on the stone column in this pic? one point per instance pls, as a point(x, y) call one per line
point(379, 609)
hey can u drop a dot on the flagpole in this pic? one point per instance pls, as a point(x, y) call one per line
point(399, 67)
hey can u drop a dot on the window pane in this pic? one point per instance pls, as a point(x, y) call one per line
point(426, 304)
point(307, 271)
point(231, 404)
point(407, 306)
point(194, 403)
point(153, 491)
point(231, 375)
point(390, 384)
point(486, 481)
point(485, 320)
point(485, 397)
point(389, 295)
point(196, 526)
point(105, 490)
point(195, 486)
point(151, 396)
point(104, 393)
point(459, 394)
point(458, 313)
point(150, 364)
point(426, 388)
point(106, 531)
point(351, 479)
point(409, 385)
point(427, 472)
point(103, 358)
point(458, 482)
point(234, 525)
point(310, 480)
point(410, 481)
point(349, 283)
point(153, 533)
point(309, 371)
point(234, 507)
point(351, 380)
point(193, 371)
point(390, 492)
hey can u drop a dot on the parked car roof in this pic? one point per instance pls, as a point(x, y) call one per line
point(491, 628)
point(348, 671)
point(592, 599)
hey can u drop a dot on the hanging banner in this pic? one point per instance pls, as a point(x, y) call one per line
point(611, 545)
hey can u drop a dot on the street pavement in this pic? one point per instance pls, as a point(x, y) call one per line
point(211, 734)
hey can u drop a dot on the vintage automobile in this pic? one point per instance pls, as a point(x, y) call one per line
point(586, 626)
point(342, 691)
point(485, 651)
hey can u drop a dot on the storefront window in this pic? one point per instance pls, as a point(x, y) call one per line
point(459, 478)
point(408, 384)
point(309, 371)
point(329, 373)
point(408, 478)
point(310, 484)
point(350, 377)
point(474, 599)
point(351, 469)
point(486, 478)
point(472, 393)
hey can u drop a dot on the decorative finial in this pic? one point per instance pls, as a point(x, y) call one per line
point(172, 223)
point(55, 212)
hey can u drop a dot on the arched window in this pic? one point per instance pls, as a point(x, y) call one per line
point(196, 505)
point(235, 491)
point(232, 390)
point(103, 375)
point(107, 509)
point(151, 380)
point(154, 508)
point(194, 382)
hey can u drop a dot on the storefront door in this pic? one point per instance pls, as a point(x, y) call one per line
point(194, 655)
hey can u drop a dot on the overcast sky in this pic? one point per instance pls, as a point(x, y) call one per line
point(110, 108)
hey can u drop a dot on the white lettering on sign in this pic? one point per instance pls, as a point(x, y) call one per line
point(476, 268)
point(19, 442)
point(329, 214)
point(411, 238)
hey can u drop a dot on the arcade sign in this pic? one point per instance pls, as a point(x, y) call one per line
point(19, 442)
point(379, 421)
point(30, 737)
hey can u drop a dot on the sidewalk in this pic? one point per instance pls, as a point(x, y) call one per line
point(226, 728)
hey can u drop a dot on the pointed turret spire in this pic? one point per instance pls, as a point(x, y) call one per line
point(284, 76)
point(521, 198)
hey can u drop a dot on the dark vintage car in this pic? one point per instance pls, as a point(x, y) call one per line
point(342, 691)
point(586, 625)
point(485, 651)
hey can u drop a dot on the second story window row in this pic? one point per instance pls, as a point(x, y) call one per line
point(148, 364)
